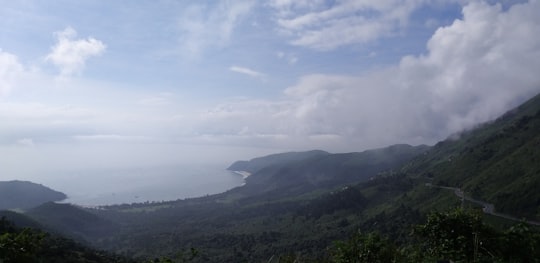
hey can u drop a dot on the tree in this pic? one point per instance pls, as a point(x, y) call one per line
point(364, 248)
point(521, 243)
point(20, 247)
point(458, 235)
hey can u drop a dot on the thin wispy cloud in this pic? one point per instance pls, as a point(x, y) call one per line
point(246, 71)
point(10, 71)
point(112, 138)
point(325, 26)
point(160, 99)
point(26, 142)
point(290, 58)
point(203, 26)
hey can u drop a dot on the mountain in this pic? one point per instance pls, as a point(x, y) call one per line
point(20, 220)
point(498, 162)
point(298, 173)
point(256, 164)
point(24, 195)
point(18, 244)
point(71, 221)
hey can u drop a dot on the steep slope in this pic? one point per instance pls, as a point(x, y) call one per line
point(498, 162)
point(24, 195)
point(19, 219)
point(71, 221)
point(19, 244)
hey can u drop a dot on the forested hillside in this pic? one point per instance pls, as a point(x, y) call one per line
point(29, 245)
point(272, 219)
point(77, 223)
point(256, 164)
point(498, 162)
point(298, 173)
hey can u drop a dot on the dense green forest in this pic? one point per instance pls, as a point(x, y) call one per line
point(471, 198)
point(459, 234)
point(30, 245)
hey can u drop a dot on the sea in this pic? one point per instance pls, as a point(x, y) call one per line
point(139, 185)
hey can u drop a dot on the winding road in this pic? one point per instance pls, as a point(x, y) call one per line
point(487, 208)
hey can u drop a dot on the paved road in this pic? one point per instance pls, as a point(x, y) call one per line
point(487, 208)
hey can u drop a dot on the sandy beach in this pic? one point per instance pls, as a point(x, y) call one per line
point(244, 174)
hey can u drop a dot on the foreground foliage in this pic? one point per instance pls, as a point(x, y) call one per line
point(458, 235)
point(454, 236)
point(32, 245)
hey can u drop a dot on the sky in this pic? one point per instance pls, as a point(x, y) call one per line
point(122, 83)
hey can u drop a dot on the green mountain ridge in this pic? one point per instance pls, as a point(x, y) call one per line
point(498, 162)
point(256, 164)
point(20, 220)
point(25, 195)
point(75, 222)
point(322, 170)
point(20, 243)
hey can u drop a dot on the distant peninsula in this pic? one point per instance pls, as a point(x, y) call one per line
point(255, 165)
point(26, 195)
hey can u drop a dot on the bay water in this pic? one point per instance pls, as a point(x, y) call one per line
point(138, 185)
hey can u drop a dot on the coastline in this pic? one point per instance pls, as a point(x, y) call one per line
point(244, 174)
point(156, 184)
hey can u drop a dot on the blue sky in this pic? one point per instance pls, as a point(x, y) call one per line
point(228, 79)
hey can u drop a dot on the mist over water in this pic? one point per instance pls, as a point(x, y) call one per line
point(120, 186)
point(104, 174)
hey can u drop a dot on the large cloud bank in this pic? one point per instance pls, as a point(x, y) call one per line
point(475, 69)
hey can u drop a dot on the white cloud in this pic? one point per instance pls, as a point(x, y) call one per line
point(44, 112)
point(42, 122)
point(246, 71)
point(289, 7)
point(288, 4)
point(479, 66)
point(113, 138)
point(321, 27)
point(10, 72)
point(70, 54)
point(475, 69)
point(202, 26)
point(289, 57)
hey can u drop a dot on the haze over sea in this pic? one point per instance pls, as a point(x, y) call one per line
point(114, 174)
point(135, 185)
